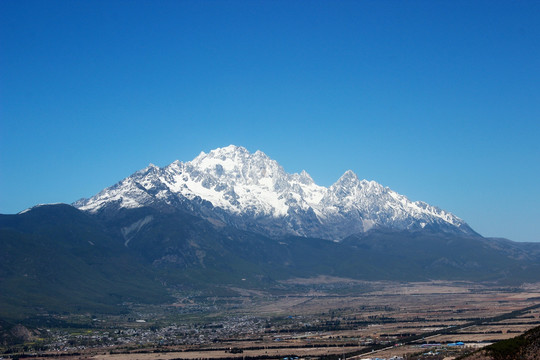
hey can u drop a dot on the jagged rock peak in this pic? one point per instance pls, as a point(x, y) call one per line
point(348, 179)
point(237, 164)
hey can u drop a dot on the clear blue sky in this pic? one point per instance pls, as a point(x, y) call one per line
point(438, 100)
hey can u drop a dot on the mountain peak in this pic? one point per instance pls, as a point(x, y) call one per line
point(348, 180)
point(348, 176)
point(230, 151)
point(237, 165)
point(305, 178)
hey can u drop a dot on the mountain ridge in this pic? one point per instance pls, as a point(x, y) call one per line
point(253, 192)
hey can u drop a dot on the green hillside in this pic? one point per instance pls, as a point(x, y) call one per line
point(523, 347)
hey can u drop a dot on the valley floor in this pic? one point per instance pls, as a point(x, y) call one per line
point(323, 317)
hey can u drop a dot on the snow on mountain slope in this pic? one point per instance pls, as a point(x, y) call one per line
point(253, 192)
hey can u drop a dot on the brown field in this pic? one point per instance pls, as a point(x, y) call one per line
point(277, 353)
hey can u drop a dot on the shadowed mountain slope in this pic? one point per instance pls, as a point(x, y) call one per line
point(56, 258)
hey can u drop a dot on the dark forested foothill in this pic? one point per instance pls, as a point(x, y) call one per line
point(56, 259)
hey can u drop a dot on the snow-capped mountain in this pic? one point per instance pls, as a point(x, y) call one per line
point(232, 186)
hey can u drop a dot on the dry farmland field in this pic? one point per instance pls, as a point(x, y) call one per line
point(306, 318)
